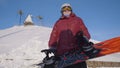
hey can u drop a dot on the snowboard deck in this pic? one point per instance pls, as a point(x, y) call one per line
point(107, 47)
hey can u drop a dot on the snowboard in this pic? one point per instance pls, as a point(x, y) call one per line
point(109, 46)
point(106, 47)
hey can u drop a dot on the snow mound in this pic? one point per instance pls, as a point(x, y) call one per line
point(20, 46)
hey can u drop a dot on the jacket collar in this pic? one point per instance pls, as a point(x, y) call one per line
point(64, 17)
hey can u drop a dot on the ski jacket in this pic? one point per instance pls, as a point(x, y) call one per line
point(63, 34)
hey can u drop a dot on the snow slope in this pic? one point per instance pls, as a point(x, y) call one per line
point(20, 46)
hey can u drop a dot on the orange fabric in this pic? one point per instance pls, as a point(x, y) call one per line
point(109, 46)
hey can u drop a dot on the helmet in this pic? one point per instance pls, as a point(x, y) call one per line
point(66, 6)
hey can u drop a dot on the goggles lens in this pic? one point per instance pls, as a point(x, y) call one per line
point(66, 8)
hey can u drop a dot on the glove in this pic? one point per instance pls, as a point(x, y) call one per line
point(79, 34)
point(81, 39)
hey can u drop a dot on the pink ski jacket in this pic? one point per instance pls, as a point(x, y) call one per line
point(63, 34)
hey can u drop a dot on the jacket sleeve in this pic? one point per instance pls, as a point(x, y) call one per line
point(84, 29)
point(53, 37)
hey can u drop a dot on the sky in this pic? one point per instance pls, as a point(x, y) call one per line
point(101, 17)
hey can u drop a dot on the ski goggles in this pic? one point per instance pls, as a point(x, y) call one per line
point(66, 8)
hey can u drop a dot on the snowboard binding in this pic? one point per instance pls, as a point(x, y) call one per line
point(60, 62)
point(86, 45)
point(48, 61)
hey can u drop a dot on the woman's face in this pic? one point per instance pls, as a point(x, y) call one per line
point(66, 13)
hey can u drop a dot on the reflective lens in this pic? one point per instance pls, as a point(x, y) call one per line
point(66, 8)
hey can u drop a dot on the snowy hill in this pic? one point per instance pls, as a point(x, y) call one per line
point(17, 36)
point(20, 46)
